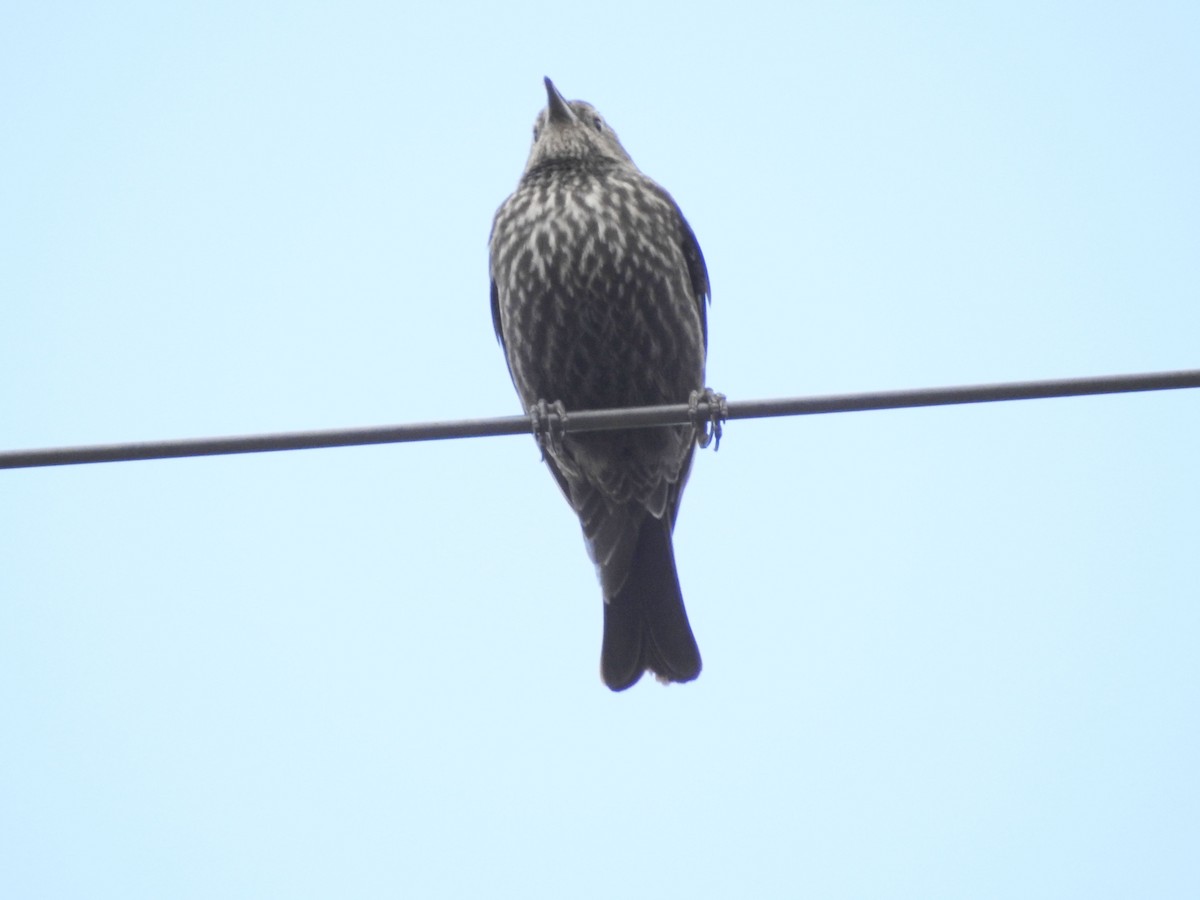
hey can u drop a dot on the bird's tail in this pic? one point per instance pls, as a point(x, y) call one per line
point(645, 624)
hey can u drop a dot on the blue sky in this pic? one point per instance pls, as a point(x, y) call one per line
point(948, 652)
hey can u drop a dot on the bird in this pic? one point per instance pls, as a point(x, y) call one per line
point(598, 294)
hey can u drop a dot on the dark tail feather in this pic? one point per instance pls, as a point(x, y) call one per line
point(645, 625)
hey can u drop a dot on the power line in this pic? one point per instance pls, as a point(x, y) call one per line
point(603, 420)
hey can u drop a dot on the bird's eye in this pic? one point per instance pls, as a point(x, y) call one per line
point(536, 132)
point(599, 123)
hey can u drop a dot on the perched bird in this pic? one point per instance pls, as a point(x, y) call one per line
point(598, 299)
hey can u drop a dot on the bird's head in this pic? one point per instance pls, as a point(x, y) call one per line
point(571, 129)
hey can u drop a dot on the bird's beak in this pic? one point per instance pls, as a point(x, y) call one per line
point(559, 111)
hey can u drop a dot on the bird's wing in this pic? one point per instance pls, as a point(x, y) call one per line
point(698, 272)
point(496, 323)
point(702, 290)
point(692, 255)
point(609, 532)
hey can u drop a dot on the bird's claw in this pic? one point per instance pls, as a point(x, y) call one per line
point(549, 423)
point(708, 420)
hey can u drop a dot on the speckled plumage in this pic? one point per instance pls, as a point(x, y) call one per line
point(598, 294)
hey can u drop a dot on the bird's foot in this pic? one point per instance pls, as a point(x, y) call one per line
point(549, 423)
point(709, 410)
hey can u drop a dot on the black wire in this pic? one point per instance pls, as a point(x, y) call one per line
point(602, 420)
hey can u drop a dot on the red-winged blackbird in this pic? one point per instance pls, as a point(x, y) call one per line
point(598, 296)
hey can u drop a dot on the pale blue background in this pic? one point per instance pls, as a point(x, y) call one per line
point(949, 653)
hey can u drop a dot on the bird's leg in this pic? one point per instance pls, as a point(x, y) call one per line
point(549, 423)
point(707, 421)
